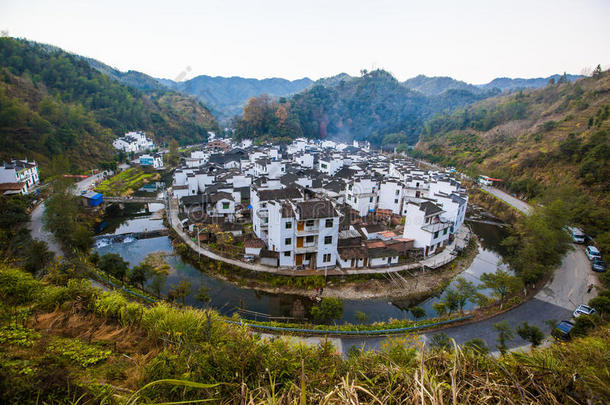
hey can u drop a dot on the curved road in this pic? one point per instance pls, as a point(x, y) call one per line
point(556, 301)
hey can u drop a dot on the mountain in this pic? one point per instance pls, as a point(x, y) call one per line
point(537, 141)
point(508, 84)
point(369, 107)
point(131, 78)
point(53, 103)
point(433, 86)
point(227, 96)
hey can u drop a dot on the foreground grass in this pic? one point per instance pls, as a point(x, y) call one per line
point(71, 343)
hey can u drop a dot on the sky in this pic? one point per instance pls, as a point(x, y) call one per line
point(470, 40)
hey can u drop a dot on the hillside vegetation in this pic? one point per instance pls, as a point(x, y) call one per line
point(553, 140)
point(54, 103)
point(369, 107)
point(226, 96)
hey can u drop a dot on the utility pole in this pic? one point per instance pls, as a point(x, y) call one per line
point(198, 241)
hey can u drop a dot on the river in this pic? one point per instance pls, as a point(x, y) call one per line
point(227, 297)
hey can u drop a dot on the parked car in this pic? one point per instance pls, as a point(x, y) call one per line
point(578, 236)
point(598, 265)
point(562, 330)
point(592, 252)
point(583, 310)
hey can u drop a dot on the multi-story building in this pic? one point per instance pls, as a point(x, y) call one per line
point(425, 225)
point(133, 142)
point(361, 195)
point(304, 233)
point(18, 176)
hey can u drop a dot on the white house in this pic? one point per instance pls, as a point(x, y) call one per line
point(155, 161)
point(304, 233)
point(18, 176)
point(133, 142)
point(390, 195)
point(424, 224)
point(361, 195)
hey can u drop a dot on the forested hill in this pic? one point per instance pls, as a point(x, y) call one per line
point(226, 96)
point(537, 141)
point(53, 103)
point(375, 107)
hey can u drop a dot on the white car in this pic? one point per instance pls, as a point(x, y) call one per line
point(592, 252)
point(583, 310)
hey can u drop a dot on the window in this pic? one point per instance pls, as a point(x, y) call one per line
point(288, 225)
point(286, 254)
point(350, 187)
point(396, 201)
point(445, 231)
point(355, 199)
point(327, 258)
point(328, 240)
point(266, 220)
point(324, 166)
point(288, 241)
point(329, 223)
point(309, 239)
point(397, 192)
point(309, 222)
point(349, 197)
point(435, 234)
point(371, 199)
point(225, 205)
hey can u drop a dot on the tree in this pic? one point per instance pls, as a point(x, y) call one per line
point(505, 334)
point(502, 284)
point(330, 308)
point(138, 274)
point(451, 300)
point(466, 291)
point(598, 71)
point(440, 308)
point(477, 345)
point(180, 291)
point(37, 256)
point(203, 294)
point(601, 304)
point(417, 312)
point(158, 282)
point(530, 333)
point(361, 317)
point(172, 155)
point(113, 264)
point(440, 341)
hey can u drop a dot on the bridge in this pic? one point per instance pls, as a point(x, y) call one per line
point(134, 200)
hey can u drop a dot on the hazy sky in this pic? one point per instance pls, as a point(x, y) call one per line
point(474, 41)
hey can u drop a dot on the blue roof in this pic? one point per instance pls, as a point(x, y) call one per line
point(92, 195)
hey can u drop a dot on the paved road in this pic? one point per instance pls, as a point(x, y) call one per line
point(556, 301)
point(38, 233)
point(36, 225)
point(518, 204)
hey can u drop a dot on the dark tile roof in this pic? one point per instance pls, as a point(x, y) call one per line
point(429, 208)
point(312, 209)
point(279, 194)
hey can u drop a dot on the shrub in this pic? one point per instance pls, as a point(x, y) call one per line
point(81, 353)
point(16, 286)
point(109, 304)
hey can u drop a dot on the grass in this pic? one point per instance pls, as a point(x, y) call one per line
point(176, 355)
point(127, 182)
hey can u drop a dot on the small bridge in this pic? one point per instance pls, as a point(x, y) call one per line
point(134, 200)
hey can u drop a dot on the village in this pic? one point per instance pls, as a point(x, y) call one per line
point(318, 206)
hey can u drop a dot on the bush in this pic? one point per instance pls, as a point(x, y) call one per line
point(17, 287)
point(109, 305)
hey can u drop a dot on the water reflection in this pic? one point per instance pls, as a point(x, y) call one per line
point(227, 297)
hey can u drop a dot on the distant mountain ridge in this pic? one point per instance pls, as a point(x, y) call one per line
point(226, 96)
point(433, 86)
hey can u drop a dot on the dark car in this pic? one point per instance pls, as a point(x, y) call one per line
point(562, 330)
point(598, 265)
